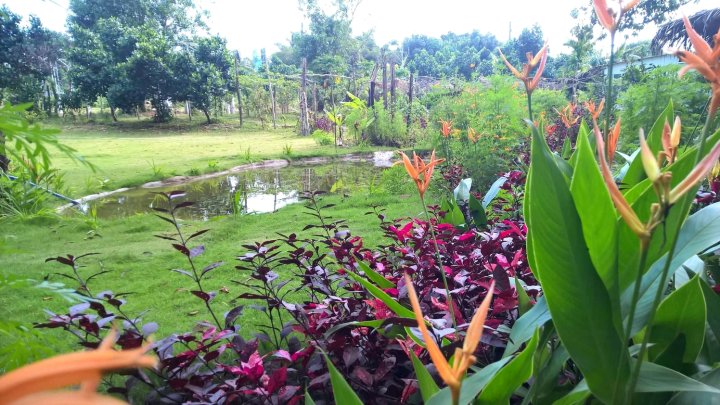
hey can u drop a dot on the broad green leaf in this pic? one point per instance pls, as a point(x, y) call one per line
point(462, 191)
point(564, 167)
point(308, 399)
point(478, 212)
point(578, 395)
point(471, 385)
point(427, 385)
point(641, 198)
point(564, 266)
point(454, 216)
point(374, 276)
point(656, 378)
point(711, 345)
point(526, 325)
point(694, 397)
point(636, 173)
point(493, 191)
point(391, 303)
point(699, 232)
point(375, 323)
point(510, 377)
point(543, 388)
point(597, 215)
point(342, 392)
point(681, 313)
point(524, 304)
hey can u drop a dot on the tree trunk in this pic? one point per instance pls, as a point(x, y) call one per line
point(304, 120)
point(270, 86)
point(392, 90)
point(384, 84)
point(112, 113)
point(371, 93)
point(4, 161)
point(410, 100)
point(314, 95)
point(207, 115)
point(237, 87)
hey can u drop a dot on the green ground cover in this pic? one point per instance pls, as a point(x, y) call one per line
point(134, 152)
point(141, 263)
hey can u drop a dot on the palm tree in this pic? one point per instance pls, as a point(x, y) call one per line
point(706, 23)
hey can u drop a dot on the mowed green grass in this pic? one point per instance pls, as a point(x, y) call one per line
point(141, 264)
point(132, 153)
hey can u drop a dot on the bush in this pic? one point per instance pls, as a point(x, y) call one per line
point(643, 101)
point(386, 129)
point(213, 364)
point(323, 138)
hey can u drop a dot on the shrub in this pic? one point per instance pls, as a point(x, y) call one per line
point(322, 137)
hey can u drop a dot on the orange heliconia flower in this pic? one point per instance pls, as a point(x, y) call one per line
point(608, 17)
point(567, 115)
point(465, 356)
point(595, 111)
point(613, 140)
point(473, 136)
point(446, 128)
point(671, 139)
point(705, 60)
point(621, 204)
point(31, 384)
point(417, 168)
point(538, 60)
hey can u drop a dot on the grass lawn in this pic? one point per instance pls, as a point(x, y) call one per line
point(131, 153)
point(141, 263)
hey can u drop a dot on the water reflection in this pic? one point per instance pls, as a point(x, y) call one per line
point(256, 191)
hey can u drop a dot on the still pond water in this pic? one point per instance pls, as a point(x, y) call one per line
point(251, 191)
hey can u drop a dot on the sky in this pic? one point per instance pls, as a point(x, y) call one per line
point(249, 25)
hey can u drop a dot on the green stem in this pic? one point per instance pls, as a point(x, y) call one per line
point(665, 272)
point(529, 103)
point(609, 104)
point(631, 316)
point(451, 306)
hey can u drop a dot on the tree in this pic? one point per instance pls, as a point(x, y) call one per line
point(125, 50)
point(204, 74)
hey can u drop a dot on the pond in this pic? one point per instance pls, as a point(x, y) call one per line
point(249, 191)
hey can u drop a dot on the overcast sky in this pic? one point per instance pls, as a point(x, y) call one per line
point(249, 25)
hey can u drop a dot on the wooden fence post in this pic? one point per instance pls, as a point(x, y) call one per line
point(385, 99)
point(392, 90)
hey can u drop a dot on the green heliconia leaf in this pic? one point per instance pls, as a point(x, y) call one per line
point(493, 191)
point(524, 304)
point(526, 325)
point(681, 313)
point(376, 292)
point(578, 395)
point(471, 385)
point(584, 132)
point(636, 173)
point(564, 167)
point(699, 232)
point(656, 378)
point(374, 276)
point(698, 397)
point(597, 215)
point(462, 191)
point(308, 399)
point(509, 378)
point(478, 212)
point(563, 263)
point(641, 197)
point(374, 323)
point(427, 385)
point(454, 216)
point(342, 392)
point(711, 345)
